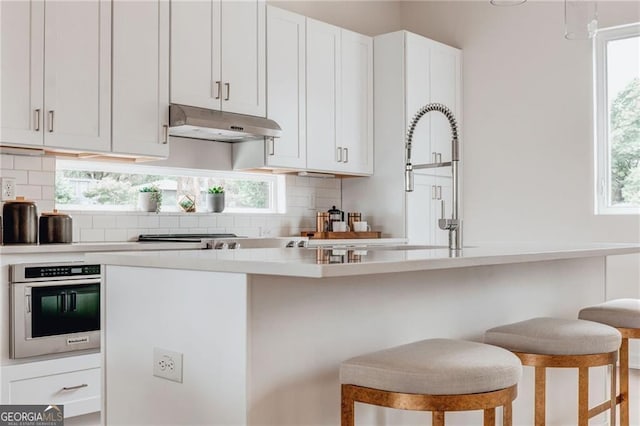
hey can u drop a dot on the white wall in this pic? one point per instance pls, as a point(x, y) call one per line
point(527, 139)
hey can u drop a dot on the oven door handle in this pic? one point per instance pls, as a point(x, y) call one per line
point(73, 304)
point(62, 282)
point(62, 301)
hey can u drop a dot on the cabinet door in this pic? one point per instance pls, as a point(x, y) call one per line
point(286, 87)
point(140, 77)
point(195, 53)
point(243, 57)
point(444, 80)
point(323, 91)
point(21, 77)
point(357, 102)
point(77, 94)
point(418, 94)
point(424, 209)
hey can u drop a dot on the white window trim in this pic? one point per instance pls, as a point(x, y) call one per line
point(602, 174)
point(278, 194)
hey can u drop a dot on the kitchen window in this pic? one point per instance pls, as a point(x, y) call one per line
point(617, 119)
point(99, 186)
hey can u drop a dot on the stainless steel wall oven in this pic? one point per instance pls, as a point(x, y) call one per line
point(55, 307)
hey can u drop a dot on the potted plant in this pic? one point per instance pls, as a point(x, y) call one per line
point(188, 203)
point(150, 199)
point(215, 199)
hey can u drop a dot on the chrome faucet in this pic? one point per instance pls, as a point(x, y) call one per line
point(453, 225)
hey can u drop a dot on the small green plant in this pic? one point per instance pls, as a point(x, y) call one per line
point(216, 190)
point(156, 195)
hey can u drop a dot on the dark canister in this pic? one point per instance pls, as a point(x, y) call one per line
point(55, 228)
point(19, 222)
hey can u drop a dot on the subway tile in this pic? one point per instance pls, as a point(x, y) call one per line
point(127, 221)
point(187, 221)
point(169, 221)
point(41, 178)
point(21, 176)
point(257, 221)
point(48, 164)
point(115, 235)
point(31, 192)
point(225, 221)
point(27, 163)
point(6, 162)
point(207, 221)
point(104, 221)
point(195, 230)
point(151, 220)
point(45, 206)
point(91, 235)
point(48, 193)
point(241, 221)
point(83, 220)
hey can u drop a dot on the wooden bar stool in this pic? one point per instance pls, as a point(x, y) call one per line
point(436, 375)
point(623, 314)
point(562, 343)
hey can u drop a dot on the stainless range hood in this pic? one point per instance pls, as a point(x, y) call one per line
point(201, 123)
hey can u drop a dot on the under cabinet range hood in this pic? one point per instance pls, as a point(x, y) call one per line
point(201, 123)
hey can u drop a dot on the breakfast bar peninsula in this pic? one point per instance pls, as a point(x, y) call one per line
point(256, 336)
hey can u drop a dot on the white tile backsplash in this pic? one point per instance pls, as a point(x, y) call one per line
point(35, 179)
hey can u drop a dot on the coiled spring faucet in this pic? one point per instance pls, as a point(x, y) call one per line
point(453, 225)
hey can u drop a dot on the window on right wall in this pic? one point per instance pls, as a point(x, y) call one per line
point(617, 119)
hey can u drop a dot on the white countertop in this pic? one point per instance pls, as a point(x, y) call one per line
point(94, 247)
point(318, 263)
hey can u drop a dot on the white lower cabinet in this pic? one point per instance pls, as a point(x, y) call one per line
point(424, 208)
point(74, 382)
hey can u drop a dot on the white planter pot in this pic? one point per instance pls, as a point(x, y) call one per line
point(147, 202)
point(215, 202)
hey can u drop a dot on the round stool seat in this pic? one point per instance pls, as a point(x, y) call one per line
point(555, 336)
point(434, 367)
point(624, 313)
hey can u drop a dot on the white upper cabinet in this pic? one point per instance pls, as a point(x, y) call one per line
point(339, 100)
point(323, 96)
point(357, 102)
point(286, 80)
point(22, 74)
point(218, 55)
point(140, 77)
point(433, 74)
point(56, 79)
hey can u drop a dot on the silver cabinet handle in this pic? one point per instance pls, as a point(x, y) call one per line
point(228, 86)
point(434, 157)
point(346, 155)
point(70, 388)
point(433, 192)
point(218, 90)
point(272, 148)
point(339, 155)
point(439, 192)
point(439, 158)
point(28, 302)
point(51, 121)
point(36, 119)
point(165, 137)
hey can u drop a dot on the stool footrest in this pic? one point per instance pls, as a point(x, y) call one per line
point(599, 409)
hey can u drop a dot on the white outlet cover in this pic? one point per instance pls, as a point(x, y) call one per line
point(167, 364)
point(7, 188)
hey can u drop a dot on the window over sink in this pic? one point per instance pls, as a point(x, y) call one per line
point(100, 186)
point(617, 119)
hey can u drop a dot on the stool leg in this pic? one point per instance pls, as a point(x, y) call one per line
point(624, 382)
point(614, 391)
point(583, 396)
point(437, 418)
point(507, 419)
point(540, 395)
point(347, 408)
point(490, 417)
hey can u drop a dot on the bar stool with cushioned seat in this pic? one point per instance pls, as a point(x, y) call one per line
point(623, 314)
point(436, 375)
point(562, 343)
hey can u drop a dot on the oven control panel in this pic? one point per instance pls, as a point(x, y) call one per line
point(60, 271)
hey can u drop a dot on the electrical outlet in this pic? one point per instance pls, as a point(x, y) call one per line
point(167, 364)
point(7, 188)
